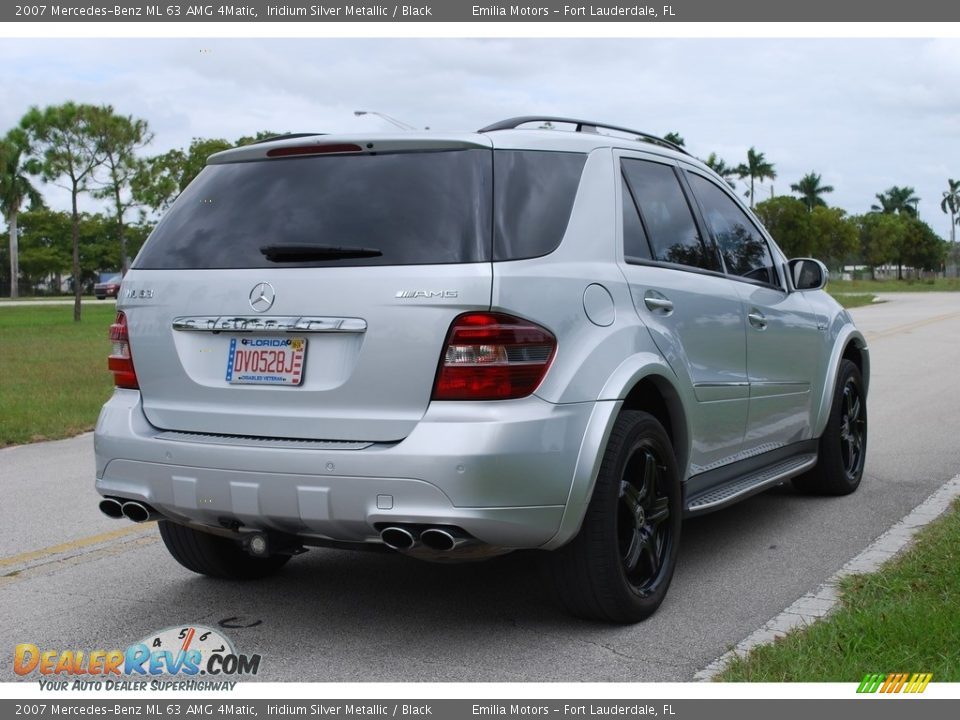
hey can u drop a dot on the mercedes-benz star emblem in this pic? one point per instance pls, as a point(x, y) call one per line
point(262, 296)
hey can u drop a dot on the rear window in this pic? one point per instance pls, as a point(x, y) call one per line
point(415, 208)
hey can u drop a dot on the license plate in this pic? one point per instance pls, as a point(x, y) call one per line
point(266, 360)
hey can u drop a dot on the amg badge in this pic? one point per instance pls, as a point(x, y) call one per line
point(426, 294)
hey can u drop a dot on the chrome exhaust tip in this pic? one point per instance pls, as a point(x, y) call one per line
point(445, 539)
point(111, 508)
point(437, 539)
point(138, 512)
point(397, 538)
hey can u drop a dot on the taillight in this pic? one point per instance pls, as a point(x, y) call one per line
point(120, 361)
point(493, 356)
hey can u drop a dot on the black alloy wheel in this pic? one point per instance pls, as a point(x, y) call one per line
point(619, 566)
point(643, 531)
point(853, 430)
point(842, 451)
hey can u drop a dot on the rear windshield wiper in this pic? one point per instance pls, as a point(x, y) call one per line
point(304, 252)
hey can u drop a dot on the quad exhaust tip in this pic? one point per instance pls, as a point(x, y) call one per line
point(111, 508)
point(397, 538)
point(437, 539)
point(138, 512)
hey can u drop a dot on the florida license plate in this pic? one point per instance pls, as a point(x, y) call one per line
point(266, 360)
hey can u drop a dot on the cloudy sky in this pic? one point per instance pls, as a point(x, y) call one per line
point(864, 113)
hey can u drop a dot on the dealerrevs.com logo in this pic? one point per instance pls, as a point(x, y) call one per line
point(895, 683)
point(171, 659)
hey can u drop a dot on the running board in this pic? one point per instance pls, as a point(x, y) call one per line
point(743, 487)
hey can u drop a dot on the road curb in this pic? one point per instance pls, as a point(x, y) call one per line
point(813, 606)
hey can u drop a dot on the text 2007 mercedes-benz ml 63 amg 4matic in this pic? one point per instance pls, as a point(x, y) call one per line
point(458, 345)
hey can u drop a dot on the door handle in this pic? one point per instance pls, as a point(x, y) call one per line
point(655, 303)
point(757, 319)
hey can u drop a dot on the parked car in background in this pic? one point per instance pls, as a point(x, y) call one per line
point(459, 345)
point(108, 286)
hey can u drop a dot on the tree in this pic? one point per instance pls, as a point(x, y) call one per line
point(880, 236)
point(159, 180)
point(121, 137)
point(836, 236)
point(920, 247)
point(45, 247)
point(16, 188)
point(675, 138)
point(756, 168)
point(899, 200)
point(788, 221)
point(810, 190)
point(951, 206)
point(721, 168)
point(69, 144)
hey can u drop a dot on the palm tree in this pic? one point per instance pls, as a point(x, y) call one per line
point(721, 169)
point(756, 168)
point(675, 138)
point(899, 200)
point(15, 189)
point(810, 190)
point(951, 205)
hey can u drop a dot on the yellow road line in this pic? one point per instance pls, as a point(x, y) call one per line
point(910, 326)
point(74, 545)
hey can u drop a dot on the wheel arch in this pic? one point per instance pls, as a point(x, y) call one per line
point(642, 382)
point(849, 345)
point(656, 395)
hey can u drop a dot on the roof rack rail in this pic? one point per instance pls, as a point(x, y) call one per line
point(582, 126)
point(285, 136)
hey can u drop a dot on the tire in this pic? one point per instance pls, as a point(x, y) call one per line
point(620, 564)
point(843, 446)
point(215, 556)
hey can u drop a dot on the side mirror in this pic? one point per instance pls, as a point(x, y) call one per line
point(808, 274)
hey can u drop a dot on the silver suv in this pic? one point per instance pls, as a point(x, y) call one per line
point(460, 345)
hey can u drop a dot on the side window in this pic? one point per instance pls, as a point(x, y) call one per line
point(744, 249)
point(533, 199)
point(635, 243)
point(666, 215)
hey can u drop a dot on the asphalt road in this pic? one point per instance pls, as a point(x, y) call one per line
point(70, 578)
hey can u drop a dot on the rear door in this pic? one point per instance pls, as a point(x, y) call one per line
point(692, 310)
point(309, 295)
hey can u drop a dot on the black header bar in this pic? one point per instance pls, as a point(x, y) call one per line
point(542, 11)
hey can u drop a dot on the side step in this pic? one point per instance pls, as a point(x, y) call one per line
point(732, 491)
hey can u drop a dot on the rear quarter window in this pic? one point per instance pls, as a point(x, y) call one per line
point(533, 198)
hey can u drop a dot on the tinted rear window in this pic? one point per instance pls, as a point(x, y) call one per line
point(416, 208)
point(534, 198)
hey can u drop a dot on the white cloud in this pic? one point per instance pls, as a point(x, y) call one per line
point(864, 113)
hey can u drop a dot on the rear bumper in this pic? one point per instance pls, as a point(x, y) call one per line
point(502, 471)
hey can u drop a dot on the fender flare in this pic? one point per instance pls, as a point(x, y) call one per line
point(631, 371)
point(847, 334)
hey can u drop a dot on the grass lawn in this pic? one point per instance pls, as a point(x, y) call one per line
point(904, 618)
point(852, 301)
point(843, 287)
point(53, 371)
